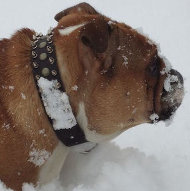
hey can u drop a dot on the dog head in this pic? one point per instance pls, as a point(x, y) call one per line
point(113, 75)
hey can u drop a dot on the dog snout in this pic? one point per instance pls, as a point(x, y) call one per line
point(172, 94)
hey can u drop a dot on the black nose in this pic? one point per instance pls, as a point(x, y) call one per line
point(172, 94)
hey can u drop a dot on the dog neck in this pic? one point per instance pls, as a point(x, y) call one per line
point(52, 92)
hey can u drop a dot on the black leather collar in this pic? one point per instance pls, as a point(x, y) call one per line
point(44, 64)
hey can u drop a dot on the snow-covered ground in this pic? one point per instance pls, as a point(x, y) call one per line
point(144, 158)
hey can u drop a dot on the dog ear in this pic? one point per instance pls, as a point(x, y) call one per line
point(82, 8)
point(95, 35)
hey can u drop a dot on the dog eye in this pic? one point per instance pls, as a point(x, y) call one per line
point(153, 67)
point(85, 41)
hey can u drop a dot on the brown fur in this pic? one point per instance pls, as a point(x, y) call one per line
point(20, 121)
point(116, 96)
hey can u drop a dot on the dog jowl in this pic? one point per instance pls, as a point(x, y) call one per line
point(113, 76)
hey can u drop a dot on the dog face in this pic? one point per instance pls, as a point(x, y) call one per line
point(116, 78)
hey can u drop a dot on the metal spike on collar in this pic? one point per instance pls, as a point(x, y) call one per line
point(34, 37)
point(34, 54)
point(34, 45)
point(51, 60)
point(37, 77)
point(49, 40)
point(35, 65)
point(39, 34)
point(50, 31)
point(54, 72)
point(49, 49)
point(58, 85)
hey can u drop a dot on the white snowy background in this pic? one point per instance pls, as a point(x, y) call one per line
point(144, 158)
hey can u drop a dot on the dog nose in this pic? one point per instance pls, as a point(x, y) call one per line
point(172, 94)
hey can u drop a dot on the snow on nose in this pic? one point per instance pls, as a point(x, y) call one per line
point(172, 95)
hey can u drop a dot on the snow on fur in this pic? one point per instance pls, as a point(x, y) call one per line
point(154, 117)
point(56, 104)
point(38, 157)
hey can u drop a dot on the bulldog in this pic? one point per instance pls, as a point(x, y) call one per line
point(91, 74)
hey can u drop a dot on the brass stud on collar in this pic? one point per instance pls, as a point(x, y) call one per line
point(51, 60)
point(54, 72)
point(42, 44)
point(34, 54)
point(49, 49)
point(35, 65)
point(37, 77)
point(43, 56)
point(45, 72)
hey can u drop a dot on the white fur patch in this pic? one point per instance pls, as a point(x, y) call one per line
point(90, 135)
point(69, 30)
point(51, 169)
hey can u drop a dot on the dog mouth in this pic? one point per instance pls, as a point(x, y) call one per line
point(171, 96)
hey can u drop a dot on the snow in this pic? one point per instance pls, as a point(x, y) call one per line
point(111, 23)
point(168, 81)
point(75, 88)
point(23, 96)
point(125, 60)
point(56, 104)
point(168, 67)
point(38, 157)
point(154, 117)
point(6, 126)
point(3, 187)
point(11, 88)
point(144, 158)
